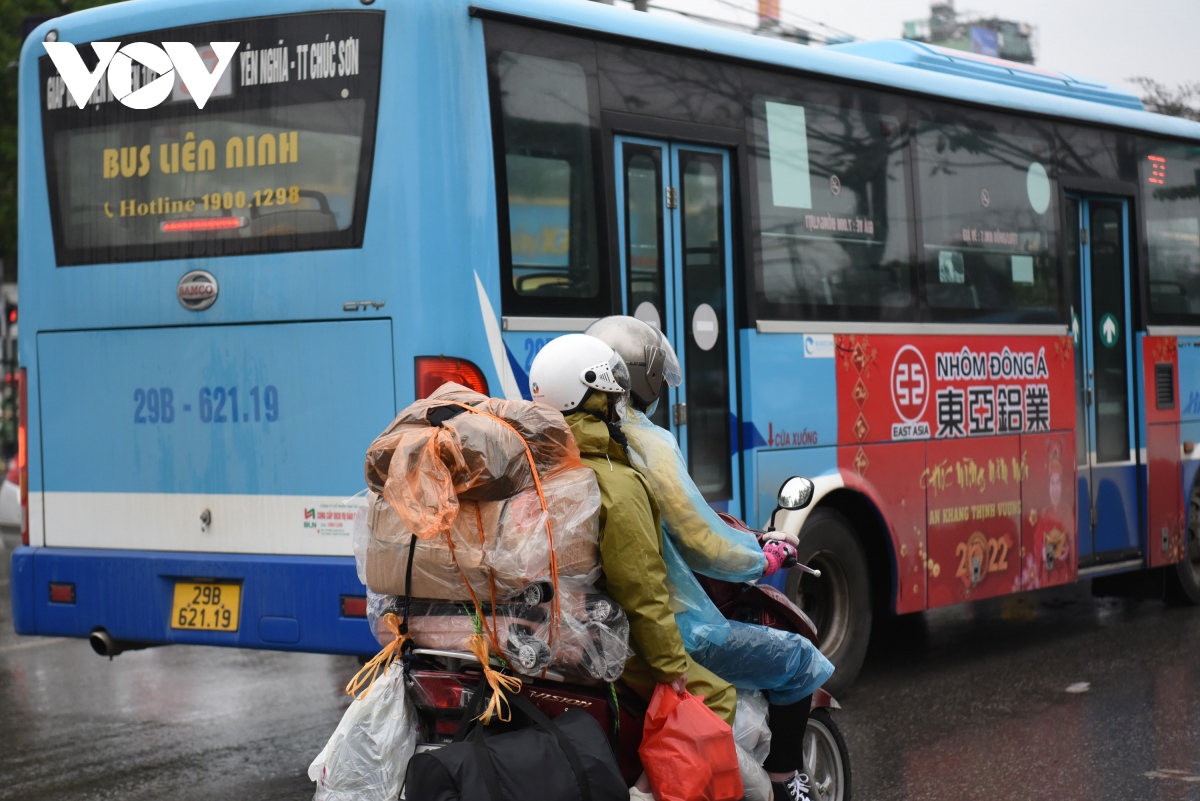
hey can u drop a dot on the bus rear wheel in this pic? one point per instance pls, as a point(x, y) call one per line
point(1184, 584)
point(839, 602)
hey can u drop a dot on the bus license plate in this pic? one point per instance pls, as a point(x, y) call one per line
point(206, 606)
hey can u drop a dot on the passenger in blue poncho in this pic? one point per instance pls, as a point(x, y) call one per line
point(785, 665)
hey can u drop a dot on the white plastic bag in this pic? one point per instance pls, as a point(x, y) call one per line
point(753, 739)
point(756, 784)
point(750, 729)
point(367, 756)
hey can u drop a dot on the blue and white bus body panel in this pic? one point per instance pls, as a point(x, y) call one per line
point(791, 427)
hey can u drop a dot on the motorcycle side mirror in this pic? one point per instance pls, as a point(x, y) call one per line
point(796, 493)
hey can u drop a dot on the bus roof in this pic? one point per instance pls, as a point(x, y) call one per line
point(994, 70)
point(890, 63)
point(938, 73)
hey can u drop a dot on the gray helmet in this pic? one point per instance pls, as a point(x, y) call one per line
point(647, 353)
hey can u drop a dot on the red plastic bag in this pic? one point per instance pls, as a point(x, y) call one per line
point(687, 751)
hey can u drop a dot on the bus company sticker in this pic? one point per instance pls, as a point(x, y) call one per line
point(329, 520)
point(953, 387)
point(818, 346)
point(910, 393)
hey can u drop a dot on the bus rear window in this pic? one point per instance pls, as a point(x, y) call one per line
point(278, 160)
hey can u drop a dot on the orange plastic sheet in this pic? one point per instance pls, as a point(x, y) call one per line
point(435, 455)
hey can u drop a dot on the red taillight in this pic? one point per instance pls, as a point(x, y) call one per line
point(203, 224)
point(23, 450)
point(62, 593)
point(433, 371)
point(354, 606)
point(441, 692)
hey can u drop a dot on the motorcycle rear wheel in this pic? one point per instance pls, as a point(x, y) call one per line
point(826, 760)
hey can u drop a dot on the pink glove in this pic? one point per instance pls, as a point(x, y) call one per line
point(780, 555)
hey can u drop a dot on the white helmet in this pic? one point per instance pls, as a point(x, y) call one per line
point(572, 365)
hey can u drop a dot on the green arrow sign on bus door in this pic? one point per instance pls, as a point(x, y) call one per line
point(1109, 330)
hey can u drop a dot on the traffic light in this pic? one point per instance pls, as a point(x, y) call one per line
point(8, 326)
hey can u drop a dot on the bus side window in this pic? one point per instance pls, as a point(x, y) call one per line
point(1170, 177)
point(989, 218)
point(831, 220)
point(548, 120)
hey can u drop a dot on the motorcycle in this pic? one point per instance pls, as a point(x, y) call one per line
point(442, 683)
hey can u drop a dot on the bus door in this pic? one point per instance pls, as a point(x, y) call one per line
point(674, 228)
point(1098, 254)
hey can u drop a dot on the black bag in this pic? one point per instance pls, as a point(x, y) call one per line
point(567, 759)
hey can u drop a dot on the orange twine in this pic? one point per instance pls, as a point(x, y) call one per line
point(498, 705)
point(537, 482)
point(490, 632)
point(380, 662)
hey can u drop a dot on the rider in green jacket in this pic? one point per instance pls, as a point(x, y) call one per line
point(587, 381)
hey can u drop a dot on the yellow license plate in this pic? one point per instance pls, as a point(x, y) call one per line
point(206, 606)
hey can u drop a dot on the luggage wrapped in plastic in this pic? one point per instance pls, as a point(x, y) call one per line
point(591, 637)
point(360, 532)
point(707, 543)
point(489, 524)
point(379, 604)
point(520, 552)
point(436, 454)
point(501, 546)
point(368, 754)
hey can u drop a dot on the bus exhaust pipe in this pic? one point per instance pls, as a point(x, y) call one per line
point(104, 644)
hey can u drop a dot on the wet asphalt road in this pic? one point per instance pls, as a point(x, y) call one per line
point(957, 704)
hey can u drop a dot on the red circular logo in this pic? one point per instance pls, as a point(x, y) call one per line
point(910, 384)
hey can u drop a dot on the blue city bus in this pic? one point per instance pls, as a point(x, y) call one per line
point(962, 294)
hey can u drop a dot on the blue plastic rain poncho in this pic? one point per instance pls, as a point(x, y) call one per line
point(783, 664)
point(708, 545)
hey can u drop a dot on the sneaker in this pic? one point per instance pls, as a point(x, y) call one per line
point(794, 789)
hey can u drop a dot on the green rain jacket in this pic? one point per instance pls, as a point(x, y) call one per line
point(634, 572)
